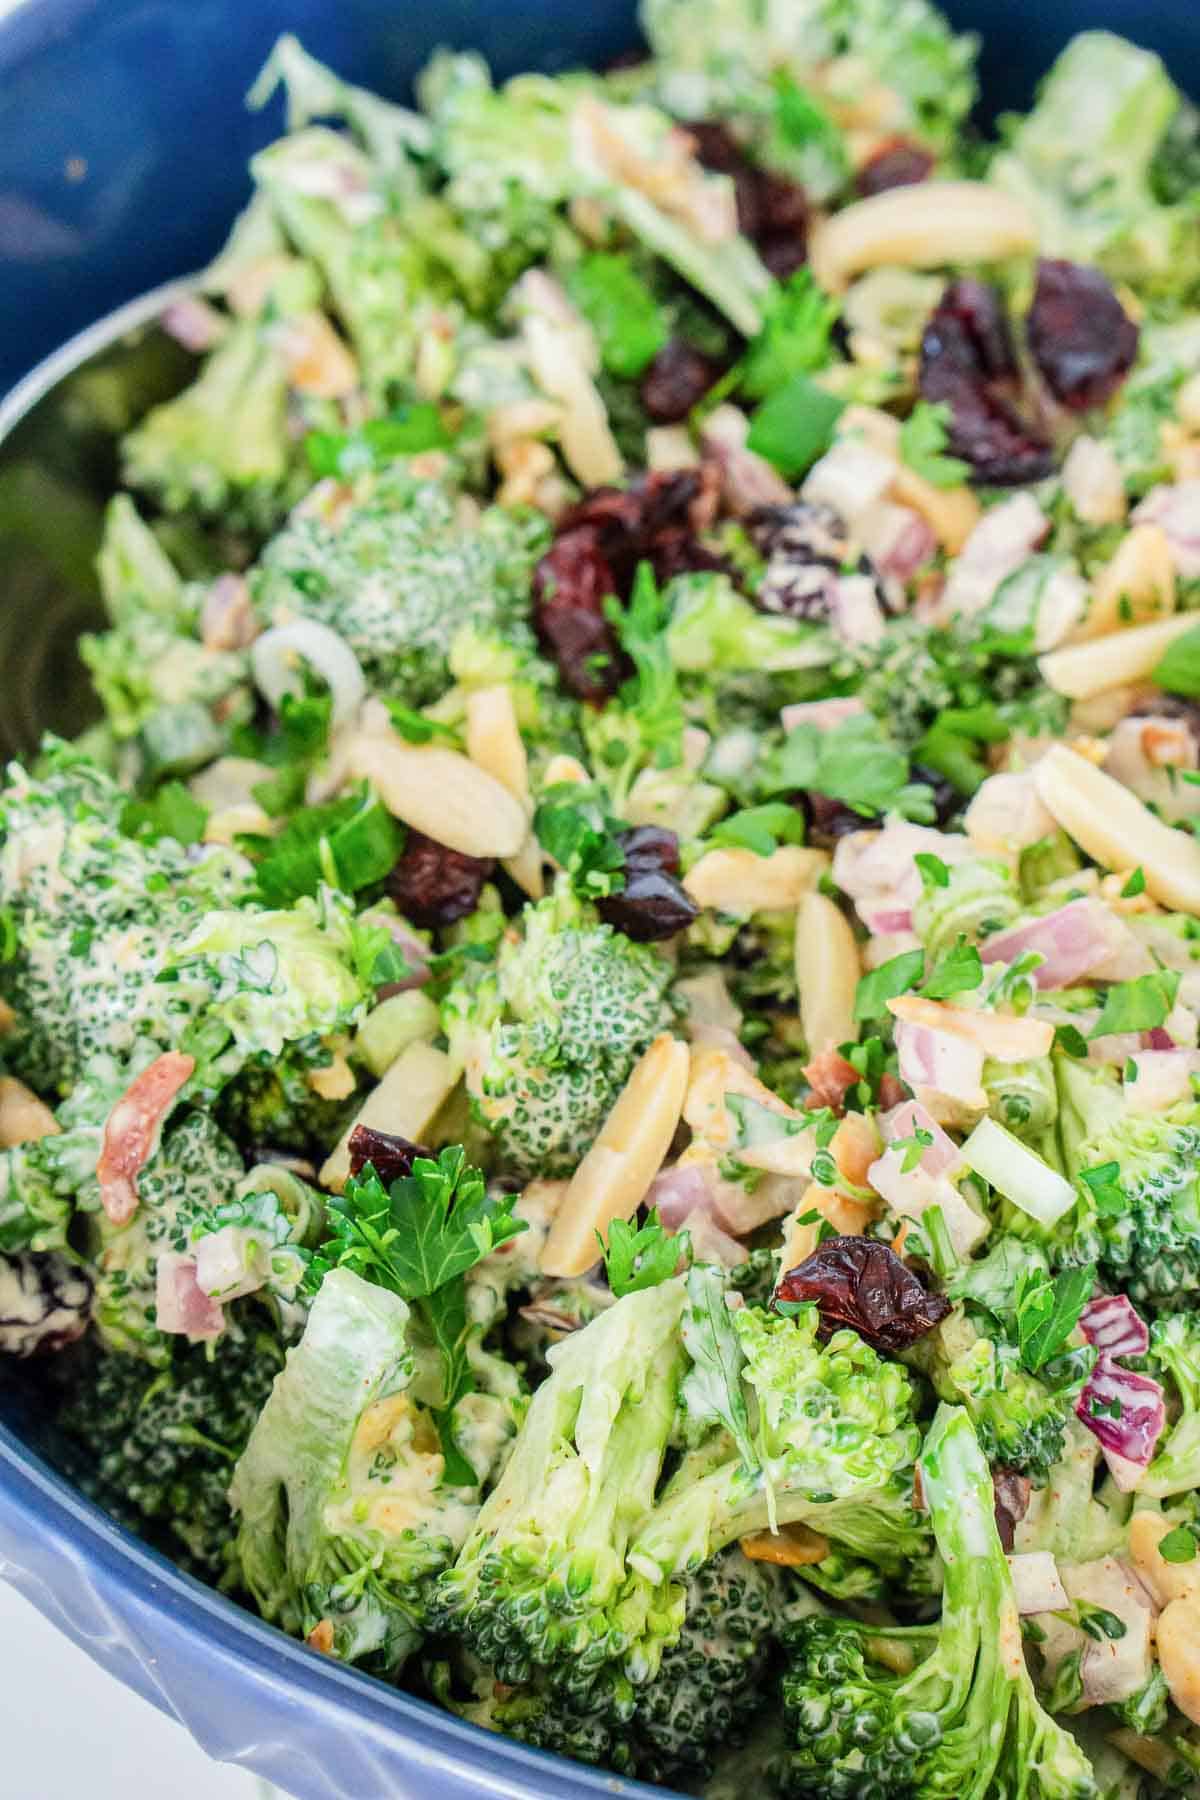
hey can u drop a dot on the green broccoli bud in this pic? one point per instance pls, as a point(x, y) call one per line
point(223, 442)
point(549, 1034)
point(156, 1447)
point(400, 575)
point(1175, 1348)
point(1020, 1422)
point(343, 1522)
point(137, 577)
point(966, 1719)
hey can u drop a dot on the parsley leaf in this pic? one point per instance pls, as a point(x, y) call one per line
point(1138, 1005)
point(1135, 885)
point(405, 432)
point(641, 1258)
point(630, 326)
point(1070, 1040)
point(712, 1388)
point(960, 970)
point(349, 843)
point(1178, 671)
point(794, 426)
point(761, 828)
point(416, 728)
point(794, 339)
point(891, 978)
point(572, 823)
point(934, 872)
point(852, 761)
point(1047, 1312)
point(1178, 1546)
point(652, 697)
point(923, 438)
point(1104, 1184)
point(171, 811)
point(418, 1239)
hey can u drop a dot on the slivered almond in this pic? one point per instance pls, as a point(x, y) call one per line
point(713, 1076)
point(1081, 670)
point(739, 882)
point(950, 513)
point(318, 362)
point(335, 1081)
point(563, 768)
point(1116, 830)
point(791, 1547)
point(612, 1180)
point(1007, 1039)
point(827, 972)
point(928, 226)
point(24, 1119)
point(405, 1103)
point(441, 793)
point(848, 1217)
point(1139, 580)
point(494, 743)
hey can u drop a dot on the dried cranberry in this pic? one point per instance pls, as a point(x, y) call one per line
point(898, 163)
point(945, 798)
point(650, 847)
point(389, 1155)
point(434, 885)
point(1011, 1492)
point(828, 820)
point(968, 362)
point(652, 905)
point(570, 585)
point(1080, 336)
point(772, 210)
point(865, 1286)
point(676, 381)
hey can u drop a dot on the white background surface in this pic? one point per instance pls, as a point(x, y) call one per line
point(70, 1732)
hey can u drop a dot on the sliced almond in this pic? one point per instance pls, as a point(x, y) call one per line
point(495, 744)
point(1082, 670)
point(1136, 587)
point(564, 768)
point(739, 882)
point(24, 1119)
point(928, 226)
point(1116, 830)
point(1007, 1039)
point(791, 1547)
point(406, 1101)
point(318, 362)
point(827, 973)
point(441, 793)
point(848, 1217)
point(614, 1177)
point(950, 513)
point(335, 1081)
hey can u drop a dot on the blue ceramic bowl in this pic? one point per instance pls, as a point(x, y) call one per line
point(123, 150)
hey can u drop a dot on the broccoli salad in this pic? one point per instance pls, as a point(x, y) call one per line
point(601, 1097)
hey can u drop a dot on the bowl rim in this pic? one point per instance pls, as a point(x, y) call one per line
point(36, 1501)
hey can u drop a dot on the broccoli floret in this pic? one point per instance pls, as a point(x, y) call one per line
point(223, 443)
point(273, 1103)
point(965, 1721)
point(343, 1521)
point(1020, 1422)
point(1141, 1219)
point(154, 681)
point(400, 574)
point(137, 577)
point(574, 1574)
point(156, 1448)
point(549, 1034)
point(707, 1690)
point(1175, 1347)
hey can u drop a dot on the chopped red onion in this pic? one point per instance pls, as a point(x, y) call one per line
point(181, 1306)
point(1114, 1327)
point(1073, 941)
point(943, 1061)
point(1126, 1413)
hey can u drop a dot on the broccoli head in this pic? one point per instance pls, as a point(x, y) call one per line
point(343, 1519)
point(156, 1447)
point(548, 1035)
point(1175, 1348)
point(575, 1574)
point(400, 573)
point(964, 1719)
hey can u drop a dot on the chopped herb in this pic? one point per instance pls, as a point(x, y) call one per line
point(795, 336)
point(406, 432)
point(958, 972)
point(892, 978)
point(1138, 1005)
point(934, 872)
point(1135, 885)
point(1104, 1184)
point(1178, 671)
point(794, 426)
point(761, 828)
point(630, 326)
point(172, 811)
point(923, 440)
point(641, 1257)
point(1047, 1312)
point(1178, 1546)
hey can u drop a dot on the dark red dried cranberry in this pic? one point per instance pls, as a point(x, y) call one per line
point(652, 905)
point(898, 163)
point(828, 820)
point(1011, 1492)
point(649, 847)
point(772, 210)
point(434, 885)
point(389, 1155)
point(865, 1286)
point(1080, 336)
point(676, 381)
point(968, 363)
point(570, 586)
